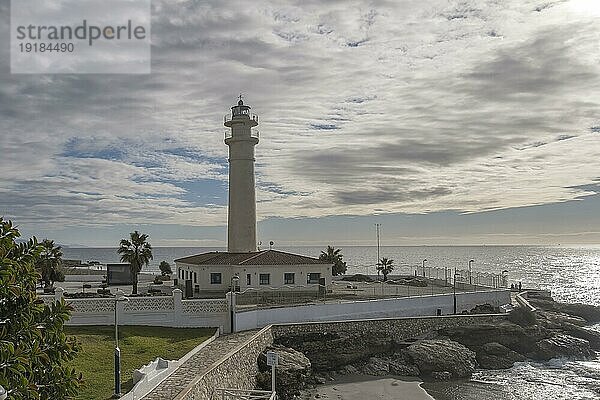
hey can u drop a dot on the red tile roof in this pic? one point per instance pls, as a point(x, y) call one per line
point(264, 257)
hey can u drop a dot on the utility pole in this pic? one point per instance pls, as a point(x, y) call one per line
point(377, 226)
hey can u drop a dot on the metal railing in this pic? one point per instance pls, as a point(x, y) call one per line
point(229, 117)
point(241, 394)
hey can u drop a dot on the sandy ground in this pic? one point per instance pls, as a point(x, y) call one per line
point(360, 387)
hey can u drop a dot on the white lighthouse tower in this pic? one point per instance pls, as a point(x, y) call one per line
point(241, 226)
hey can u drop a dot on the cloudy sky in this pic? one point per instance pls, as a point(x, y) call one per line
point(449, 122)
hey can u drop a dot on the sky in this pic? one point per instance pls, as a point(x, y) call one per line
point(448, 122)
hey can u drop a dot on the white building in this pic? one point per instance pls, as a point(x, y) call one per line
point(262, 270)
point(259, 270)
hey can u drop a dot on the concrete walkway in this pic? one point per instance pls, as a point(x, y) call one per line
point(197, 365)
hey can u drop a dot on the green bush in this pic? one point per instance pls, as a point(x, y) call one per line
point(522, 316)
point(34, 350)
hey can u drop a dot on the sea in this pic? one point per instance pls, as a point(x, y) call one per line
point(571, 273)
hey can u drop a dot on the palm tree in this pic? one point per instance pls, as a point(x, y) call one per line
point(385, 266)
point(49, 262)
point(137, 252)
point(333, 255)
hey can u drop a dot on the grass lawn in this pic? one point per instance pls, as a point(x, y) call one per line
point(139, 345)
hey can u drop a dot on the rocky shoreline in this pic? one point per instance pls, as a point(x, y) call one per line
point(555, 330)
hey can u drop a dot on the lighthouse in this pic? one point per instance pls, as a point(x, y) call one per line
point(241, 139)
point(242, 265)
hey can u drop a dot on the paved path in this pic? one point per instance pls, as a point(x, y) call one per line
point(197, 365)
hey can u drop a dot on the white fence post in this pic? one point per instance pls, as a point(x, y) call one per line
point(178, 307)
point(58, 293)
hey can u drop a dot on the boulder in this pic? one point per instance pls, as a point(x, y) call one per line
point(588, 312)
point(593, 337)
point(442, 355)
point(331, 351)
point(400, 368)
point(484, 309)
point(558, 318)
point(441, 376)
point(496, 356)
point(376, 367)
point(349, 370)
point(564, 346)
point(292, 373)
point(523, 340)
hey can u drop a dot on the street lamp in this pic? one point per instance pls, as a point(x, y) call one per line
point(505, 278)
point(431, 280)
point(119, 297)
point(470, 272)
point(455, 275)
point(3, 393)
point(234, 283)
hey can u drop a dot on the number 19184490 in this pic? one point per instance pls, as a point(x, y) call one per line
point(46, 47)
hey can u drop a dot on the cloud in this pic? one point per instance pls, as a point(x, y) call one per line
point(365, 108)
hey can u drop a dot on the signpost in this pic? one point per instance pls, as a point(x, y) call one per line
point(272, 360)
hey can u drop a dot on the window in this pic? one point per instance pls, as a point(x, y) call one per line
point(215, 278)
point(264, 279)
point(195, 278)
point(289, 278)
point(186, 275)
point(313, 277)
point(248, 280)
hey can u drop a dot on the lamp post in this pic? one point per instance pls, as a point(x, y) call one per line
point(234, 283)
point(377, 227)
point(119, 297)
point(431, 280)
point(471, 272)
point(455, 275)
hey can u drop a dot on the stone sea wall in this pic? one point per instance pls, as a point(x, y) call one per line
point(397, 329)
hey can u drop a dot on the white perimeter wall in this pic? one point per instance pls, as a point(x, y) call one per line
point(168, 311)
point(369, 309)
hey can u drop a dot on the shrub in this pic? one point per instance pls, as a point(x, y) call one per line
point(357, 278)
point(522, 316)
point(34, 351)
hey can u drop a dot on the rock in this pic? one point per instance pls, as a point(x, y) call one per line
point(586, 311)
point(441, 375)
point(403, 369)
point(515, 337)
point(484, 309)
point(564, 346)
point(442, 355)
point(558, 318)
point(349, 370)
point(376, 367)
point(496, 356)
point(593, 337)
point(293, 371)
point(331, 351)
